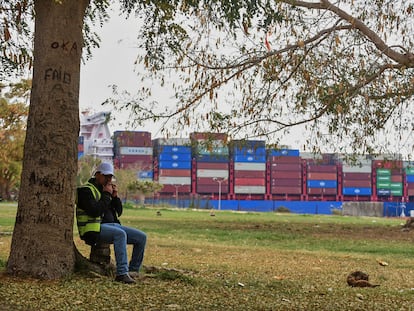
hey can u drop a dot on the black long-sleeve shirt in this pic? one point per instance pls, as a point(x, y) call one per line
point(107, 207)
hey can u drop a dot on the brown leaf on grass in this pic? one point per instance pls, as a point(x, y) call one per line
point(382, 263)
point(279, 277)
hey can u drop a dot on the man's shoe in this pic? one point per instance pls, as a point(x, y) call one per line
point(125, 278)
point(134, 274)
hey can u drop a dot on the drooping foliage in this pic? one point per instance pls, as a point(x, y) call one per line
point(339, 71)
point(336, 70)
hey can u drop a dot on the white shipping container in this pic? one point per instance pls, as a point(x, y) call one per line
point(167, 180)
point(249, 166)
point(250, 189)
point(212, 173)
point(135, 150)
point(173, 141)
point(356, 169)
point(311, 156)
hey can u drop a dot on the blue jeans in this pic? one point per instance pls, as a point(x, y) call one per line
point(120, 236)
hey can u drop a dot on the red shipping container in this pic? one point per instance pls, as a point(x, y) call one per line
point(363, 176)
point(249, 174)
point(410, 185)
point(355, 183)
point(210, 181)
point(208, 136)
point(213, 165)
point(324, 191)
point(286, 167)
point(286, 174)
point(322, 176)
point(287, 182)
point(410, 192)
point(391, 164)
point(286, 190)
point(249, 181)
point(173, 189)
point(175, 173)
point(132, 139)
point(212, 188)
point(285, 159)
point(135, 166)
point(396, 178)
point(397, 171)
point(134, 158)
point(322, 168)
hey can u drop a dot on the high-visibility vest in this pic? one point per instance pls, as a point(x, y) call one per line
point(85, 222)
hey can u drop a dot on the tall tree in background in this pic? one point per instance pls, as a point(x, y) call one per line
point(13, 116)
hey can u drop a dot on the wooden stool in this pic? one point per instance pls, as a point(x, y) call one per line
point(100, 253)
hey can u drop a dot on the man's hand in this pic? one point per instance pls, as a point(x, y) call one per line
point(108, 188)
point(114, 191)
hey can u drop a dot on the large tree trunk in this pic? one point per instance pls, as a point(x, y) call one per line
point(42, 244)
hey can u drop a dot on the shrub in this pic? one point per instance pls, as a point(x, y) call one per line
point(282, 209)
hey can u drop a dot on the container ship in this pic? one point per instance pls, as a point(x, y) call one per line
point(208, 169)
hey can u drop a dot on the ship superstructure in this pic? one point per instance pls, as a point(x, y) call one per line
point(97, 141)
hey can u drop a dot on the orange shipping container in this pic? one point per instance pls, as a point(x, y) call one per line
point(322, 176)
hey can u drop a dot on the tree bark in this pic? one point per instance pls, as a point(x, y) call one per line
point(42, 243)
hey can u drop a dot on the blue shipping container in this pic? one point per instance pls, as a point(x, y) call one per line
point(322, 183)
point(248, 143)
point(284, 152)
point(410, 178)
point(174, 164)
point(250, 158)
point(356, 191)
point(213, 158)
point(261, 151)
point(174, 156)
point(383, 191)
point(145, 174)
point(174, 149)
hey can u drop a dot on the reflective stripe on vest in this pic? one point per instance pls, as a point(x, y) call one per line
point(87, 223)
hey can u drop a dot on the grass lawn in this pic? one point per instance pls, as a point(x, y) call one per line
point(237, 261)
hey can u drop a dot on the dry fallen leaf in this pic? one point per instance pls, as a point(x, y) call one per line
point(382, 263)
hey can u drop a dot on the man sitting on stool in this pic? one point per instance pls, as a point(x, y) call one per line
point(97, 211)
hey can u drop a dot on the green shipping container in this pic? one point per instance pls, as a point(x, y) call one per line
point(384, 178)
point(409, 170)
point(396, 186)
point(383, 172)
point(383, 185)
point(396, 192)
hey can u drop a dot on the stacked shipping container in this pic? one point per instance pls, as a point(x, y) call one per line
point(202, 165)
point(133, 150)
point(409, 178)
point(321, 179)
point(212, 162)
point(249, 158)
point(285, 172)
point(356, 178)
point(81, 146)
point(174, 164)
point(389, 177)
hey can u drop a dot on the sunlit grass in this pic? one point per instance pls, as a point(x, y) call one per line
point(238, 261)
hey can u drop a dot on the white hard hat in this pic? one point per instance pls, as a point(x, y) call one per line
point(105, 168)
